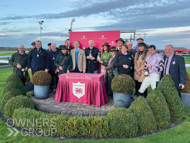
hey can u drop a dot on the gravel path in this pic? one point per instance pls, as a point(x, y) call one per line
point(81, 109)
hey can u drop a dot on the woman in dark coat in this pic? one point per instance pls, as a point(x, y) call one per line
point(124, 62)
point(67, 64)
point(109, 68)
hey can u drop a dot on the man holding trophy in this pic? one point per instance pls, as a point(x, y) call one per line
point(92, 58)
point(154, 65)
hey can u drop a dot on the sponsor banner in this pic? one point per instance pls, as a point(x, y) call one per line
point(99, 37)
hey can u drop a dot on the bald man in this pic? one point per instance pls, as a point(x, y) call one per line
point(130, 49)
point(66, 43)
point(175, 66)
point(19, 61)
point(52, 56)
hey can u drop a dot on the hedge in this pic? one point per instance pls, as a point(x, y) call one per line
point(15, 85)
point(160, 108)
point(187, 84)
point(15, 103)
point(4, 100)
point(13, 90)
point(145, 116)
point(123, 123)
point(13, 78)
point(170, 92)
point(33, 116)
point(67, 126)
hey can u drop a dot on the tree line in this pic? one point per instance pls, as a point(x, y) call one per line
point(13, 48)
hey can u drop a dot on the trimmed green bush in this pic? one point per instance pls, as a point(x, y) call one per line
point(187, 84)
point(122, 83)
point(170, 92)
point(11, 85)
point(66, 126)
point(41, 78)
point(145, 116)
point(123, 123)
point(32, 116)
point(159, 106)
point(61, 121)
point(15, 103)
point(4, 100)
point(13, 78)
point(13, 90)
point(79, 126)
point(167, 81)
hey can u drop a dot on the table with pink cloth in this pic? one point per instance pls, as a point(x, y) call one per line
point(81, 88)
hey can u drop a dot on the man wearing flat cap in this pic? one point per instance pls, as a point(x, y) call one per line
point(120, 42)
point(49, 47)
point(33, 44)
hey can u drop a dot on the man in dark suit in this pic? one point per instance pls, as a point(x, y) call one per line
point(52, 56)
point(38, 59)
point(91, 56)
point(175, 66)
point(49, 47)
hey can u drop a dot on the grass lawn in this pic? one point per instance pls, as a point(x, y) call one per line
point(187, 61)
point(4, 65)
point(6, 53)
point(178, 134)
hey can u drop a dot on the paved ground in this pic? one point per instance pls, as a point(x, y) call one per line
point(5, 67)
point(49, 105)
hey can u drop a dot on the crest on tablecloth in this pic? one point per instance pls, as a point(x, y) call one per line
point(79, 89)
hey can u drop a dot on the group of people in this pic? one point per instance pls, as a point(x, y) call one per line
point(142, 62)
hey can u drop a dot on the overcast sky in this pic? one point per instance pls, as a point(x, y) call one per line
point(164, 21)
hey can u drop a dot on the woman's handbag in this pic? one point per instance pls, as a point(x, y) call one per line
point(56, 70)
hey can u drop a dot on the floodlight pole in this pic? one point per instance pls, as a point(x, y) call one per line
point(73, 20)
point(41, 22)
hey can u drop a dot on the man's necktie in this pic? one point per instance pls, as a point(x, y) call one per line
point(166, 65)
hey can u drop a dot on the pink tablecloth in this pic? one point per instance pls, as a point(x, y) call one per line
point(82, 88)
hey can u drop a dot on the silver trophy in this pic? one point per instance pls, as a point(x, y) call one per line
point(98, 57)
point(90, 54)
